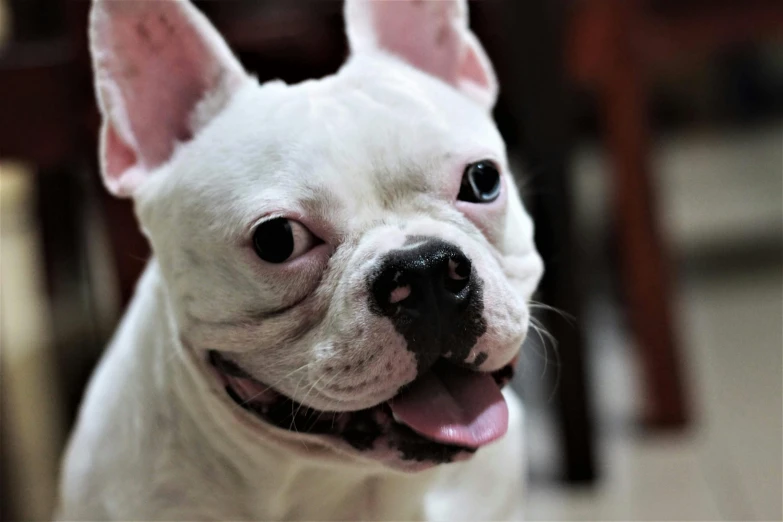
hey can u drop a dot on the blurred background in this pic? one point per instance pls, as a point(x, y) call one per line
point(648, 142)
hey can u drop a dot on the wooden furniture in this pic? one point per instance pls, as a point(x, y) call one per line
point(612, 47)
point(615, 47)
point(39, 113)
point(525, 41)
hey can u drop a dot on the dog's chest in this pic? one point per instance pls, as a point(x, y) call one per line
point(319, 494)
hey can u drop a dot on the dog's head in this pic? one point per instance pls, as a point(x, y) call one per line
point(348, 257)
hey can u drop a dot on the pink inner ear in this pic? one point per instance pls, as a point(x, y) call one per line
point(420, 32)
point(120, 157)
point(431, 35)
point(472, 69)
point(162, 68)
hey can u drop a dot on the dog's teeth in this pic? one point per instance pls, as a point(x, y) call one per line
point(396, 418)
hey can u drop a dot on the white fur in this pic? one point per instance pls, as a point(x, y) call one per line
point(363, 158)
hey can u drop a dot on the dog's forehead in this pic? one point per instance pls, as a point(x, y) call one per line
point(371, 117)
point(372, 134)
point(385, 105)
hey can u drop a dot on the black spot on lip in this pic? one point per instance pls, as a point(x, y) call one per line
point(360, 429)
point(503, 375)
point(290, 415)
point(413, 446)
point(479, 360)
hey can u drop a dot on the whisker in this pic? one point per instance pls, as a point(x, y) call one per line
point(301, 403)
point(278, 381)
point(537, 305)
point(293, 401)
point(314, 422)
point(542, 330)
point(544, 334)
point(312, 387)
point(543, 344)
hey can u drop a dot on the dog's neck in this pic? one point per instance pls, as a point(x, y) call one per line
point(239, 466)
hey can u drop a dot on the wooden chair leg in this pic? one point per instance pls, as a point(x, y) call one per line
point(539, 102)
point(643, 255)
point(60, 207)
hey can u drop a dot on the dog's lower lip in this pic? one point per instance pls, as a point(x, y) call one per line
point(358, 428)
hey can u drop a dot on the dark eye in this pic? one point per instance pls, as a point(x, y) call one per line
point(279, 239)
point(480, 183)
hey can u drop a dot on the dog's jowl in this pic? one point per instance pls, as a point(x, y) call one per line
point(340, 281)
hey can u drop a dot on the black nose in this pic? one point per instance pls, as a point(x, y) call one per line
point(429, 282)
point(433, 297)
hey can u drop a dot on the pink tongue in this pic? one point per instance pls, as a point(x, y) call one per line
point(454, 406)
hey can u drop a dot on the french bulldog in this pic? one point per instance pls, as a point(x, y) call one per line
point(339, 287)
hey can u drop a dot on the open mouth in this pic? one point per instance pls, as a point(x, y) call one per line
point(443, 415)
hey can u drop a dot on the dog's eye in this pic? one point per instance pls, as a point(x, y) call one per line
point(480, 183)
point(279, 239)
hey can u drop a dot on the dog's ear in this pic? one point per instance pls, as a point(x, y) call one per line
point(161, 73)
point(432, 35)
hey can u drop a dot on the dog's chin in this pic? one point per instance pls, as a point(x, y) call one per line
point(374, 433)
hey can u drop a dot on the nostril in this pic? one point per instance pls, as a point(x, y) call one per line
point(399, 294)
point(457, 274)
point(459, 268)
point(430, 280)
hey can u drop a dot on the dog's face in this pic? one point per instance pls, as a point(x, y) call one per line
point(348, 257)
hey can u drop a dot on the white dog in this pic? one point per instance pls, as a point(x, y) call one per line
point(340, 281)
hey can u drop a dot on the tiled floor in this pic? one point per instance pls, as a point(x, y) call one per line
point(720, 194)
point(728, 466)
